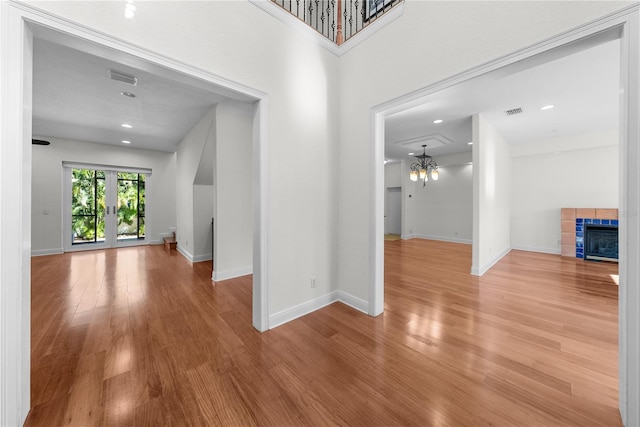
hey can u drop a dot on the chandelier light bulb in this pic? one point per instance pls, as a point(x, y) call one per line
point(434, 174)
point(423, 174)
point(413, 175)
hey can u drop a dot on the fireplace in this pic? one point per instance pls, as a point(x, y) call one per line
point(601, 242)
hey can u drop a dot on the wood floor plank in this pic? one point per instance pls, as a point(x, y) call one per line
point(141, 337)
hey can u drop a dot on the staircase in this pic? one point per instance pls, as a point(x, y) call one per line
point(170, 243)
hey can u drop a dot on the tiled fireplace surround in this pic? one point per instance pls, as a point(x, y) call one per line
point(573, 220)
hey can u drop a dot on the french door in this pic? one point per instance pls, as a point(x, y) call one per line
point(104, 208)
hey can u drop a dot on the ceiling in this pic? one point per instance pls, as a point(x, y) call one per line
point(583, 86)
point(74, 98)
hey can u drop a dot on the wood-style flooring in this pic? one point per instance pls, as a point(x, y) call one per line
point(141, 337)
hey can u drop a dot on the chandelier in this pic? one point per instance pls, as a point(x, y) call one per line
point(425, 166)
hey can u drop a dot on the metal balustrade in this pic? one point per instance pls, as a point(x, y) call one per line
point(337, 20)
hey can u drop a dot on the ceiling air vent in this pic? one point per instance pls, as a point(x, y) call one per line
point(122, 77)
point(514, 111)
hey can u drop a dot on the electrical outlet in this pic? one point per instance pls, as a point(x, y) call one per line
point(314, 282)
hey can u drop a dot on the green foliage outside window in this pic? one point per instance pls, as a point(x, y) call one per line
point(131, 204)
point(88, 205)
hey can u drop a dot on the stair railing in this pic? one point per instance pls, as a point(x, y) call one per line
point(337, 20)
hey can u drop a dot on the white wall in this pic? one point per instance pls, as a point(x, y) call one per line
point(202, 214)
point(47, 187)
point(492, 192)
point(190, 151)
point(443, 209)
point(392, 179)
point(233, 190)
point(580, 171)
point(392, 175)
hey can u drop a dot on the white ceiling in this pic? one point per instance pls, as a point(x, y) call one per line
point(74, 98)
point(583, 86)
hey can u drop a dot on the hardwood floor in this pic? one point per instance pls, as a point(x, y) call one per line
point(139, 336)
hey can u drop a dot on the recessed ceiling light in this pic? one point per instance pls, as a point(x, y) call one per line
point(126, 142)
point(129, 10)
point(438, 121)
point(411, 154)
point(128, 94)
point(470, 143)
point(126, 125)
point(547, 107)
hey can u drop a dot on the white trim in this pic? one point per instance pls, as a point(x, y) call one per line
point(96, 166)
point(43, 21)
point(307, 31)
point(539, 249)
point(629, 225)
point(479, 271)
point(43, 252)
point(625, 22)
point(376, 225)
point(438, 238)
point(16, 52)
point(202, 257)
point(599, 28)
point(284, 316)
point(261, 248)
point(353, 302)
point(219, 276)
point(300, 310)
point(185, 253)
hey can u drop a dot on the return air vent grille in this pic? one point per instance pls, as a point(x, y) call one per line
point(122, 77)
point(514, 111)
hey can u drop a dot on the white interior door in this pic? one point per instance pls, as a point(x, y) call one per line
point(394, 210)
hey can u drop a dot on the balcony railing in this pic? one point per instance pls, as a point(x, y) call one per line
point(337, 20)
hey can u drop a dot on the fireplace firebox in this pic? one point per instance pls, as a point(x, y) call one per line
point(601, 242)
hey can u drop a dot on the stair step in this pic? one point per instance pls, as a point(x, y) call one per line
point(170, 243)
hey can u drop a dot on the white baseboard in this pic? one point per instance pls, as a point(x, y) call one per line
point(353, 302)
point(479, 271)
point(552, 251)
point(441, 238)
point(185, 253)
point(300, 310)
point(42, 252)
point(305, 308)
point(219, 276)
point(203, 257)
